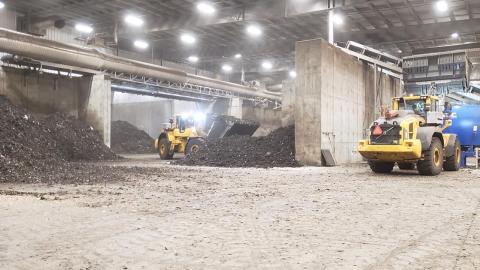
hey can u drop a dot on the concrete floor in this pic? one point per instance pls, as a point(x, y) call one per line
point(211, 218)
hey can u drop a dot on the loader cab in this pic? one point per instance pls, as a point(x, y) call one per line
point(183, 122)
point(425, 106)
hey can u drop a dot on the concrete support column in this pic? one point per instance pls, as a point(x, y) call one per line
point(288, 103)
point(331, 37)
point(97, 110)
point(308, 97)
point(236, 108)
point(335, 101)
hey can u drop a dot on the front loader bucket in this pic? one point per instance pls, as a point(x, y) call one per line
point(225, 126)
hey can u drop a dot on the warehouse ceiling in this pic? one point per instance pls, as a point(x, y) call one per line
point(394, 26)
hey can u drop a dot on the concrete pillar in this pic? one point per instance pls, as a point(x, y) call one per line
point(335, 99)
point(236, 108)
point(331, 37)
point(308, 61)
point(97, 109)
point(288, 103)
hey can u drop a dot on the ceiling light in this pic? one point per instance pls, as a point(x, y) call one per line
point(338, 19)
point(400, 51)
point(442, 6)
point(193, 59)
point(227, 68)
point(134, 20)
point(254, 30)
point(292, 74)
point(141, 44)
point(2, 5)
point(267, 65)
point(238, 56)
point(83, 28)
point(205, 8)
point(455, 35)
point(188, 39)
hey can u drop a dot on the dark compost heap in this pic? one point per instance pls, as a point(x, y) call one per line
point(274, 150)
point(33, 149)
point(127, 139)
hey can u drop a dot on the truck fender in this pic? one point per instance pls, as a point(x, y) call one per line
point(450, 146)
point(425, 135)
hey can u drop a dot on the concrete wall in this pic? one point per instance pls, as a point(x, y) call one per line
point(42, 93)
point(335, 101)
point(86, 98)
point(268, 119)
point(150, 114)
point(152, 117)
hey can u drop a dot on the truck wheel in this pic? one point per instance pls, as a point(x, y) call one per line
point(164, 149)
point(381, 167)
point(406, 166)
point(433, 159)
point(194, 145)
point(452, 163)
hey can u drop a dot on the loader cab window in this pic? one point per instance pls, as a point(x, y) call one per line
point(418, 106)
point(184, 122)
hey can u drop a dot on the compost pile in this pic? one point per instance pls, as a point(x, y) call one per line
point(44, 150)
point(127, 139)
point(274, 150)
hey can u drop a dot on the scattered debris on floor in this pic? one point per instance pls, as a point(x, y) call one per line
point(274, 150)
point(44, 150)
point(128, 139)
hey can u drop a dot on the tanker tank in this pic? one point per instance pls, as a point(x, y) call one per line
point(466, 124)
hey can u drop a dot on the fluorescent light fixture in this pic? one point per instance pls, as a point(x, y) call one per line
point(442, 6)
point(267, 65)
point(254, 30)
point(238, 56)
point(141, 44)
point(338, 19)
point(134, 20)
point(455, 35)
point(83, 28)
point(2, 5)
point(206, 8)
point(188, 39)
point(227, 68)
point(292, 74)
point(193, 59)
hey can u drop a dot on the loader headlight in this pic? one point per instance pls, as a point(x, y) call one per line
point(199, 117)
point(185, 116)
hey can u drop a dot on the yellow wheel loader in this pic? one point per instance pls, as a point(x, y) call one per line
point(181, 137)
point(412, 135)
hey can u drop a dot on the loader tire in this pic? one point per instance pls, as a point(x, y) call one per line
point(194, 145)
point(164, 149)
point(432, 162)
point(406, 166)
point(452, 163)
point(381, 167)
